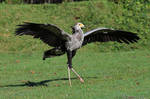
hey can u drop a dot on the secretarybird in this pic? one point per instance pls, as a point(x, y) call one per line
point(67, 43)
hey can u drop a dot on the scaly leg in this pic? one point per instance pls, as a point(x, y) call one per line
point(69, 56)
point(81, 80)
point(69, 76)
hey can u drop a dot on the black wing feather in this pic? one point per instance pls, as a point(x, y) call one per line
point(48, 33)
point(105, 35)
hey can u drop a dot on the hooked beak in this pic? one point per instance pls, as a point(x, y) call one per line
point(83, 27)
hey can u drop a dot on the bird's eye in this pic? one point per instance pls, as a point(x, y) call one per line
point(80, 25)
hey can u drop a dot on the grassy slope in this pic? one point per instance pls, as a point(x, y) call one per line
point(107, 76)
point(92, 14)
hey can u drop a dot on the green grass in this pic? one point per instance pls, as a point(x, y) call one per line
point(108, 73)
point(91, 13)
point(111, 75)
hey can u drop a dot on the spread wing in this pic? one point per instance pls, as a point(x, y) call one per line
point(105, 35)
point(48, 33)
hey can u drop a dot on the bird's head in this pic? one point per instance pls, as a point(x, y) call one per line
point(80, 25)
point(77, 27)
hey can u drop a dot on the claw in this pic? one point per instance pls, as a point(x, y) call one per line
point(81, 80)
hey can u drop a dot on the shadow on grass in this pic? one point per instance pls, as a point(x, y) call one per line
point(41, 83)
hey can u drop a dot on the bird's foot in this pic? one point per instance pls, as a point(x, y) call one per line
point(69, 77)
point(70, 83)
point(81, 80)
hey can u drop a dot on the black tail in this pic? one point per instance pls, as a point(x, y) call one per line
point(52, 53)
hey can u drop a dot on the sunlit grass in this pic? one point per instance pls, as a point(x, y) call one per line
point(106, 75)
point(92, 14)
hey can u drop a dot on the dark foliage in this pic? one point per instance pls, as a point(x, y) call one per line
point(37, 1)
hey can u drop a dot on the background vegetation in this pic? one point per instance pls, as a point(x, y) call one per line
point(111, 70)
point(37, 1)
point(131, 16)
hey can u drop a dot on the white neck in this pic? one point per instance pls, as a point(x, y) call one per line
point(78, 29)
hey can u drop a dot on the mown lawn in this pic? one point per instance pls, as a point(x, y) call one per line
point(113, 75)
point(110, 70)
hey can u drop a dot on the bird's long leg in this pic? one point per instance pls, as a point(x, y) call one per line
point(69, 76)
point(81, 80)
point(73, 54)
point(69, 56)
